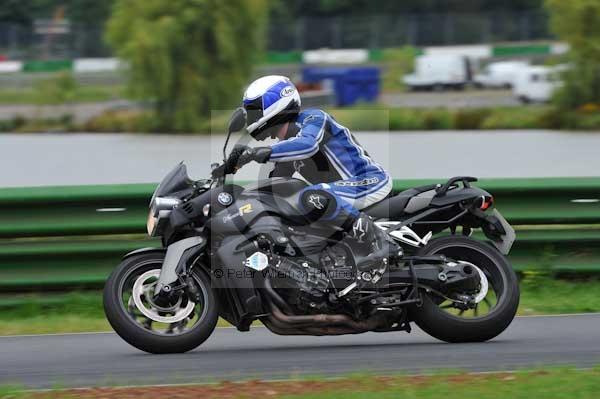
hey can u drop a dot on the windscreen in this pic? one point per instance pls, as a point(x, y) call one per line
point(176, 180)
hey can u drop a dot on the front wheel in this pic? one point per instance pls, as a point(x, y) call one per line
point(495, 305)
point(131, 311)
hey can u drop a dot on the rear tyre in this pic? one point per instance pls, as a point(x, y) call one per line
point(131, 312)
point(440, 323)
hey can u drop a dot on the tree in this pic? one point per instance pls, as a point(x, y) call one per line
point(188, 56)
point(578, 23)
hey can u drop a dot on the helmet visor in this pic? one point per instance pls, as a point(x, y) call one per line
point(254, 110)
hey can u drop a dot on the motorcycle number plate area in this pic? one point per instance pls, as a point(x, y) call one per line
point(508, 239)
point(257, 261)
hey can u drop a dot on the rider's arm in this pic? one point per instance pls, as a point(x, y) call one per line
point(305, 144)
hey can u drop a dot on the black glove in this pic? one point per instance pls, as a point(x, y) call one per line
point(258, 154)
point(230, 165)
point(239, 156)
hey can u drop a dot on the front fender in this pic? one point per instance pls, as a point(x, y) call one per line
point(145, 251)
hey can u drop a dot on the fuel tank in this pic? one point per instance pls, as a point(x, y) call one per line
point(276, 196)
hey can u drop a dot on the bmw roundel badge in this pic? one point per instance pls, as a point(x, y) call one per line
point(224, 198)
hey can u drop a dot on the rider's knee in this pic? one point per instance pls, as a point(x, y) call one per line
point(318, 204)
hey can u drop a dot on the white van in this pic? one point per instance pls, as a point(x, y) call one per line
point(502, 74)
point(440, 71)
point(537, 83)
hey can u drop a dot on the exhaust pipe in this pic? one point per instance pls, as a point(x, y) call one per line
point(319, 324)
point(279, 329)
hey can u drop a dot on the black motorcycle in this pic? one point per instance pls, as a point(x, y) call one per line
point(246, 254)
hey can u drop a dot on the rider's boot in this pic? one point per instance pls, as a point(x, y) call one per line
point(373, 247)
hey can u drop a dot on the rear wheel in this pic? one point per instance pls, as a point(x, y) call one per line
point(496, 303)
point(131, 311)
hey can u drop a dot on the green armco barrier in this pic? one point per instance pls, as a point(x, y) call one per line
point(284, 57)
point(74, 235)
point(48, 66)
point(516, 50)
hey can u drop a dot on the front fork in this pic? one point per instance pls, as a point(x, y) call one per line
point(177, 257)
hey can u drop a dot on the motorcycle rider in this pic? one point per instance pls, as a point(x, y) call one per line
point(343, 177)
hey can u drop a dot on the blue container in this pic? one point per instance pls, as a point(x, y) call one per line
point(349, 84)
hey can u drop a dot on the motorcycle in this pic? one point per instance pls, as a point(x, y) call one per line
point(244, 254)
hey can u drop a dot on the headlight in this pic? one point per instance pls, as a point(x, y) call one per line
point(160, 208)
point(151, 223)
point(163, 204)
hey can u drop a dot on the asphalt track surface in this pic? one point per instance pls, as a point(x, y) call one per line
point(102, 359)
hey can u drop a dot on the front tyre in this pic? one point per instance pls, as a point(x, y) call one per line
point(129, 307)
point(496, 308)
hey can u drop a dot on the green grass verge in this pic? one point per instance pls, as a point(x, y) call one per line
point(547, 384)
point(540, 295)
point(54, 313)
point(541, 383)
point(82, 94)
point(82, 311)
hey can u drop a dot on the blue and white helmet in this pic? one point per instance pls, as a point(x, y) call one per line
point(270, 101)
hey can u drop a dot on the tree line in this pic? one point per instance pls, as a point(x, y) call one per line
point(24, 12)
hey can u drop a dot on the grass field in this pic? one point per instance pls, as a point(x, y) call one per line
point(82, 311)
point(81, 94)
point(546, 384)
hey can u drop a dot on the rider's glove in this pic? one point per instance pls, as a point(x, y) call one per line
point(239, 156)
point(258, 154)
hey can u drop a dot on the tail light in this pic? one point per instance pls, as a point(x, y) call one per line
point(486, 203)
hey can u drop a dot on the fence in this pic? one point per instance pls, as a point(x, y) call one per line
point(381, 31)
point(54, 237)
point(368, 31)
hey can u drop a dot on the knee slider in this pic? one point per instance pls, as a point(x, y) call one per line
point(318, 204)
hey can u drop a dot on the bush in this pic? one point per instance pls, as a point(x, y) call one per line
point(437, 119)
point(554, 118)
point(509, 118)
point(576, 22)
point(12, 125)
point(586, 121)
point(63, 123)
point(365, 118)
point(406, 119)
point(121, 121)
point(470, 119)
point(381, 118)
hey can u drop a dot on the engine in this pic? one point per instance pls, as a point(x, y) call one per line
point(308, 286)
point(303, 285)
